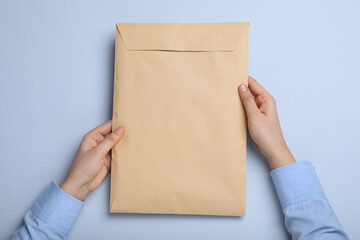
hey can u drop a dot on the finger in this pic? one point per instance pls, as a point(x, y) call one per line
point(248, 100)
point(107, 161)
point(109, 141)
point(104, 128)
point(255, 87)
point(95, 136)
point(102, 174)
point(99, 178)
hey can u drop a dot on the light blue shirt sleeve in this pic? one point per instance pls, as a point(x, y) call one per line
point(308, 214)
point(51, 216)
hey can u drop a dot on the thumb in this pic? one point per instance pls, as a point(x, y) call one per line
point(110, 140)
point(248, 100)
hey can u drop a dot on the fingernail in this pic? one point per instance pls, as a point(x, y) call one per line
point(242, 88)
point(119, 131)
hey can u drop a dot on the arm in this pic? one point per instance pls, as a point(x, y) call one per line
point(308, 214)
point(56, 209)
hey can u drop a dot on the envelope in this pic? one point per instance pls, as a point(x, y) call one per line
point(175, 93)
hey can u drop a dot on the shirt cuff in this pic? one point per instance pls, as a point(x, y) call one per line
point(296, 183)
point(57, 209)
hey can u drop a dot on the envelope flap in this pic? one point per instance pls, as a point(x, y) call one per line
point(181, 36)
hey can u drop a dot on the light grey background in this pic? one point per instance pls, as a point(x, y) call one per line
point(56, 73)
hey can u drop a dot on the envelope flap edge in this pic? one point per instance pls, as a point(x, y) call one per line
point(181, 36)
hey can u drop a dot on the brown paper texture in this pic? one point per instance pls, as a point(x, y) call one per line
point(175, 93)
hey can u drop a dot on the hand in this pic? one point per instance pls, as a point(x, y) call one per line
point(92, 161)
point(264, 125)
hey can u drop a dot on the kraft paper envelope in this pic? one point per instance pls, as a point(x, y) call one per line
point(175, 93)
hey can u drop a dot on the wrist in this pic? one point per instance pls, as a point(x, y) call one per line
point(78, 191)
point(280, 156)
